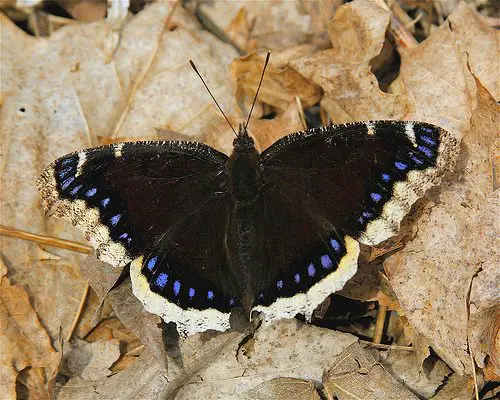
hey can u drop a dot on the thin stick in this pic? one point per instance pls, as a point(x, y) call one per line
point(48, 240)
point(258, 88)
point(387, 346)
point(474, 372)
point(209, 92)
point(78, 313)
point(379, 325)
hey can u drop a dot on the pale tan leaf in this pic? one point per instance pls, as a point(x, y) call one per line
point(284, 388)
point(356, 375)
point(351, 90)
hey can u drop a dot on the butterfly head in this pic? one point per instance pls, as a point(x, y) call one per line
point(243, 142)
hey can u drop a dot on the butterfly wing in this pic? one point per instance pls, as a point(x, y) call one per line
point(337, 183)
point(146, 203)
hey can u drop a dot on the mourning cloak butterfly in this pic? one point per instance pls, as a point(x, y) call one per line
point(275, 232)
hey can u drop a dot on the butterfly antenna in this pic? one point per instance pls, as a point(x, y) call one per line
point(217, 104)
point(258, 88)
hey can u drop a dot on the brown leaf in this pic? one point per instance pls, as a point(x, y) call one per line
point(145, 326)
point(284, 388)
point(266, 22)
point(91, 361)
point(355, 375)
point(405, 368)
point(267, 131)
point(480, 42)
point(351, 90)
point(281, 84)
point(24, 342)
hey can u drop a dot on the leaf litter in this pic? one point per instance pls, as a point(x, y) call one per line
point(92, 83)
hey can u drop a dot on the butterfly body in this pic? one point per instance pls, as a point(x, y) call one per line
point(275, 232)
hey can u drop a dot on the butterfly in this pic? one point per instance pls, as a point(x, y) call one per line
point(275, 232)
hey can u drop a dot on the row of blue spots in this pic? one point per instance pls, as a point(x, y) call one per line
point(162, 279)
point(326, 263)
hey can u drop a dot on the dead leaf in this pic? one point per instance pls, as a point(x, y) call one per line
point(267, 131)
point(286, 348)
point(91, 361)
point(145, 326)
point(284, 388)
point(24, 342)
point(355, 374)
point(281, 84)
point(351, 90)
point(266, 22)
point(405, 368)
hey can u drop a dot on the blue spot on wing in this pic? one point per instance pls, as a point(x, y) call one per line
point(90, 192)
point(64, 172)
point(66, 161)
point(279, 284)
point(177, 288)
point(115, 219)
point(401, 166)
point(335, 245)
point(376, 197)
point(326, 262)
point(210, 295)
point(386, 177)
point(427, 139)
point(417, 160)
point(151, 263)
point(367, 214)
point(191, 292)
point(161, 280)
point(311, 270)
point(425, 150)
point(105, 202)
point(67, 182)
point(124, 235)
point(296, 278)
point(76, 189)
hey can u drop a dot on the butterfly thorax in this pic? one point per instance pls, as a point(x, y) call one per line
point(243, 167)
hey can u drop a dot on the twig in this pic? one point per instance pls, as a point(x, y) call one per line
point(387, 346)
point(301, 112)
point(79, 311)
point(379, 325)
point(474, 373)
point(47, 240)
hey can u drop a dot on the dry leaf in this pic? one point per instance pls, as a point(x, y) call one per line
point(284, 388)
point(24, 342)
point(351, 90)
point(91, 361)
point(145, 326)
point(286, 348)
point(355, 375)
point(266, 22)
point(281, 84)
point(267, 131)
point(423, 381)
